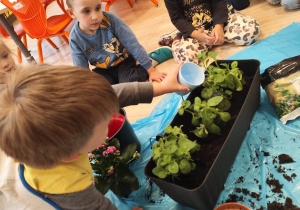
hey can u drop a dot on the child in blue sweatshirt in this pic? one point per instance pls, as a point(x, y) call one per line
point(106, 42)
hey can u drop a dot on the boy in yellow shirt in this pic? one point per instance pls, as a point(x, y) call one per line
point(52, 116)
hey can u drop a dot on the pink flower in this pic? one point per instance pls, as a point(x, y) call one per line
point(105, 152)
point(117, 151)
point(111, 170)
point(111, 149)
point(91, 155)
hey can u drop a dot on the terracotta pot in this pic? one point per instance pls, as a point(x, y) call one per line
point(232, 206)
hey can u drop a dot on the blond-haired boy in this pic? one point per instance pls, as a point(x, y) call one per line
point(106, 42)
point(52, 116)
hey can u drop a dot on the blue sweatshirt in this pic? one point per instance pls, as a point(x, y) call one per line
point(108, 47)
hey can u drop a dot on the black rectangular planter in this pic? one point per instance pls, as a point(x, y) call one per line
point(205, 196)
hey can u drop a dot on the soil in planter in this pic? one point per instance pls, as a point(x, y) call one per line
point(211, 145)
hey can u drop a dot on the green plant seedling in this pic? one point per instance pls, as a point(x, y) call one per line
point(172, 154)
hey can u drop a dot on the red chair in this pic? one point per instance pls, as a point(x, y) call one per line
point(32, 15)
point(20, 32)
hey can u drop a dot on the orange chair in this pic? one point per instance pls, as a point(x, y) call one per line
point(20, 32)
point(32, 15)
point(46, 3)
point(110, 2)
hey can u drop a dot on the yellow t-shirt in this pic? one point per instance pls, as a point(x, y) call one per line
point(64, 178)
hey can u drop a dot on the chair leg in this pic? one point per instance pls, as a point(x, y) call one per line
point(19, 55)
point(130, 3)
point(109, 4)
point(52, 44)
point(39, 45)
point(155, 2)
point(65, 38)
point(25, 41)
point(19, 51)
point(65, 35)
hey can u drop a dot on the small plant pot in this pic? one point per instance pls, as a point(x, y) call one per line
point(190, 75)
point(121, 129)
point(232, 206)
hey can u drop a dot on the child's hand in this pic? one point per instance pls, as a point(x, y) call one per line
point(169, 84)
point(200, 35)
point(155, 75)
point(137, 208)
point(218, 33)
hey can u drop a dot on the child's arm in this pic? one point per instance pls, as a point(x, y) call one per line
point(143, 92)
point(78, 57)
point(128, 39)
point(178, 18)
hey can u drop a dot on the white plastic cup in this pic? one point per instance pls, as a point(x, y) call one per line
point(190, 75)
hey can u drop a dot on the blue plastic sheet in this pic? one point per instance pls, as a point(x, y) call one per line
point(257, 160)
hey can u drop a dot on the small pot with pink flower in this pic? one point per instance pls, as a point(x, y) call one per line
point(111, 167)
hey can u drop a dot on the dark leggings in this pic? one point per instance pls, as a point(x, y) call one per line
point(127, 71)
point(239, 4)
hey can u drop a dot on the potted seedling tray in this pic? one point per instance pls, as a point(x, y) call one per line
point(201, 188)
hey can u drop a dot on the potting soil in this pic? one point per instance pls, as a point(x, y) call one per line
point(266, 171)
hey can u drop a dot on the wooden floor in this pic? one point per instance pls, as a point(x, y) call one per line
point(149, 22)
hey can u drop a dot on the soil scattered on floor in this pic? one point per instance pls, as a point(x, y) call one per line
point(288, 205)
point(284, 158)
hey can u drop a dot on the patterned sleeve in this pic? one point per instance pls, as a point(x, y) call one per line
point(177, 17)
point(219, 11)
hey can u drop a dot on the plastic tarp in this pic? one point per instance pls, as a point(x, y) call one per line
point(257, 177)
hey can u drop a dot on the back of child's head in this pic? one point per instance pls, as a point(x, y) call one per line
point(47, 113)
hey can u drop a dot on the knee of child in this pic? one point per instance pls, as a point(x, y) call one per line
point(273, 2)
point(290, 4)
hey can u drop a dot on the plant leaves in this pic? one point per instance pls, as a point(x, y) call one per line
point(213, 128)
point(214, 101)
point(127, 152)
point(114, 142)
point(206, 93)
point(181, 111)
point(173, 168)
point(103, 185)
point(224, 105)
point(185, 166)
point(225, 116)
point(160, 172)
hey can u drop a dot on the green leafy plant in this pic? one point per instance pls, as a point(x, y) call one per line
point(206, 115)
point(111, 167)
point(172, 154)
point(220, 79)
